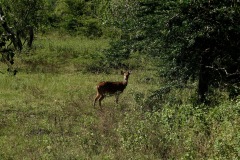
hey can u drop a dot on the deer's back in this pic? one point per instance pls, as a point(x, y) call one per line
point(111, 87)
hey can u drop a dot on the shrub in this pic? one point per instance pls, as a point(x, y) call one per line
point(182, 132)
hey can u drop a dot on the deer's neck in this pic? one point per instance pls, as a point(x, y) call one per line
point(125, 82)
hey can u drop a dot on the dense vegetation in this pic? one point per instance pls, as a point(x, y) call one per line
point(182, 100)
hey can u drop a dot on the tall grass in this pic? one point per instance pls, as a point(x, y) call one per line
point(61, 53)
point(46, 111)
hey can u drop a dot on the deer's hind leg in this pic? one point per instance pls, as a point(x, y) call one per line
point(100, 99)
point(96, 98)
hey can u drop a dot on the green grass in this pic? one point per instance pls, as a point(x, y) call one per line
point(50, 116)
point(61, 53)
point(46, 111)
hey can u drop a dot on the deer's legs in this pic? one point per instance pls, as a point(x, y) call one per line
point(100, 99)
point(96, 98)
point(117, 97)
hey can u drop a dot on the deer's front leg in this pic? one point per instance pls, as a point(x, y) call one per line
point(117, 97)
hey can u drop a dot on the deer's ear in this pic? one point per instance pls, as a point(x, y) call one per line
point(122, 73)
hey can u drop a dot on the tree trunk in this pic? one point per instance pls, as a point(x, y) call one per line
point(14, 37)
point(203, 84)
point(204, 77)
point(31, 36)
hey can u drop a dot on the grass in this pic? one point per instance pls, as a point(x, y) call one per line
point(50, 116)
point(46, 111)
point(61, 53)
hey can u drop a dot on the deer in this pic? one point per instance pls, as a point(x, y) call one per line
point(111, 88)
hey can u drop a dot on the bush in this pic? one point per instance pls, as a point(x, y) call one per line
point(183, 132)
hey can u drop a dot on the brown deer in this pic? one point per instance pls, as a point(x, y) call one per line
point(111, 88)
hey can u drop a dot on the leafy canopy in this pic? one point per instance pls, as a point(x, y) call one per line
point(196, 40)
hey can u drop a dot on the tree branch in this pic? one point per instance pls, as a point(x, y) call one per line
point(224, 70)
point(13, 37)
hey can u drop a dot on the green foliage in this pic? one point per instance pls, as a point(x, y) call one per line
point(23, 12)
point(195, 41)
point(19, 21)
point(77, 17)
point(182, 132)
point(207, 35)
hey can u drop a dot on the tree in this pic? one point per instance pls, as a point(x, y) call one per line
point(24, 16)
point(196, 40)
point(122, 15)
point(78, 16)
point(207, 35)
point(19, 19)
